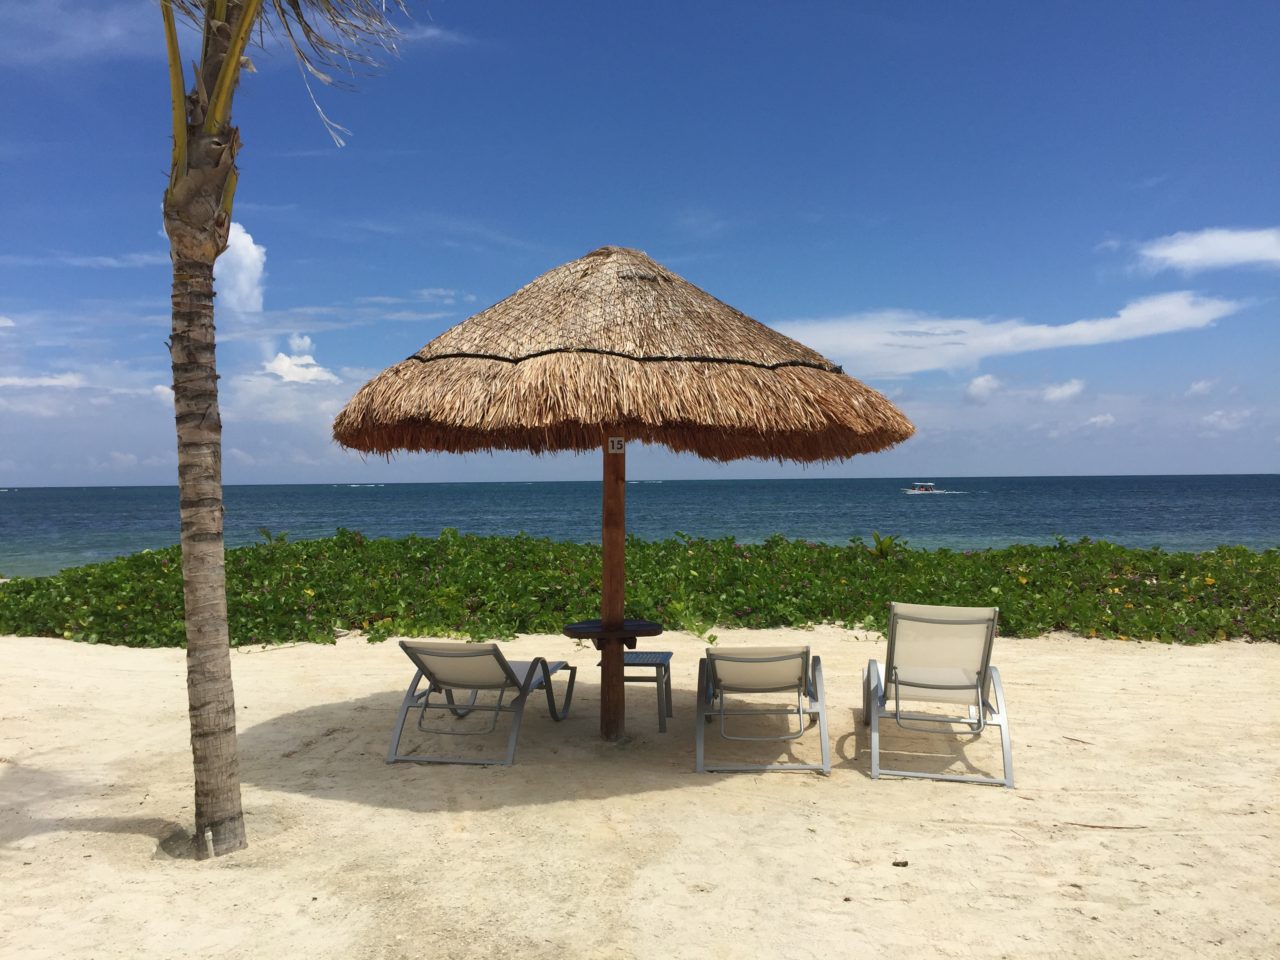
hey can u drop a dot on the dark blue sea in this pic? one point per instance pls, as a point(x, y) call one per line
point(43, 530)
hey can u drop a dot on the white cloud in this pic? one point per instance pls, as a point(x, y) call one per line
point(301, 369)
point(900, 342)
point(425, 33)
point(412, 315)
point(441, 295)
point(702, 225)
point(119, 261)
point(1101, 420)
point(1063, 391)
point(238, 273)
point(1190, 252)
point(37, 405)
point(1226, 421)
point(1201, 388)
point(300, 343)
point(6, 322)
point(437, 295)
point(63, 380)
point(980, 388)
point(64, 30)
point(262, 398)
point(124, 459)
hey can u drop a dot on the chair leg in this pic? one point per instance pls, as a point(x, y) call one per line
point(461, 711)
point(699, 722)
point(558, 714)
point(871, 693)
point(664, 702)
point(409, 702)
point(821, 705)
point(997, 689)
point(517, 718)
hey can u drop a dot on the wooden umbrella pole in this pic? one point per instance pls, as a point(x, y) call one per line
point(613, 541)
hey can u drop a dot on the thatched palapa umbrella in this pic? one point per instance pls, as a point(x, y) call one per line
point(615, 347)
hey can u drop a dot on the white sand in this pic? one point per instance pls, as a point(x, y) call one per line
point(1145, 822)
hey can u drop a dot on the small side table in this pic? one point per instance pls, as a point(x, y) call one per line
point(659, 661)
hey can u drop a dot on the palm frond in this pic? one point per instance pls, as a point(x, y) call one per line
point(327, 36)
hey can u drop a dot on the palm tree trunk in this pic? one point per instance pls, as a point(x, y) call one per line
point(219, 820)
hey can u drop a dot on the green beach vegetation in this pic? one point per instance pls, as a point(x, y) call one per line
point(495, 587)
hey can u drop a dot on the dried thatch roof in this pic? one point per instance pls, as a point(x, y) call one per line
point(614, 344)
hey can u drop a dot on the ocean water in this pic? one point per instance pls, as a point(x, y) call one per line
point(43, 530)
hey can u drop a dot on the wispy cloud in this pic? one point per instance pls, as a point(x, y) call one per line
point(13, 149)
point(56, 380)
point(444, 296)
point(1201, 388)
point(6, 322)
point(122, 261)
point(702, 225)
point(1150, 183)
point(430, 34)
point(1101, 420)
point(902, 342)
point(412, 315)
point(1214, 249)
point(58, 31)
point(1057, 392)
point(1226, 421)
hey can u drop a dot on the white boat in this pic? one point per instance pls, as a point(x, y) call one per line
point(922, 486)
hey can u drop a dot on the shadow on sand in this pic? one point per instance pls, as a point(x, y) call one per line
point(338, 750)
point(26, 788)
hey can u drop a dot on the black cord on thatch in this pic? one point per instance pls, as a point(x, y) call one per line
point(825, 368)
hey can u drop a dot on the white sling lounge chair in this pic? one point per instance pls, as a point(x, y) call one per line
point(937, 655)
point(753, 670)
point(452, 666)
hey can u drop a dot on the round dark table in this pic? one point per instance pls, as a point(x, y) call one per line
point(596, 632)
point(610, 641)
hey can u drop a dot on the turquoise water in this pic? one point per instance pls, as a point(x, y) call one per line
point(45, 529)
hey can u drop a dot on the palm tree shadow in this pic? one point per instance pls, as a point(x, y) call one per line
point(26, 788)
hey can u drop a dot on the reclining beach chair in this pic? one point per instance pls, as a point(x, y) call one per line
point(451, 666)
point(755, 670)
point(937, 655)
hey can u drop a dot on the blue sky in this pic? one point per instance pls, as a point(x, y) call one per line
point(1049, 232)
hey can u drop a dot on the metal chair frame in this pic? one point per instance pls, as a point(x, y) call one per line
point(988, 708)
point(712, 703)
point(524, 677)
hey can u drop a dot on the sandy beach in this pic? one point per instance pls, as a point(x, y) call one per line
point(1145, 820)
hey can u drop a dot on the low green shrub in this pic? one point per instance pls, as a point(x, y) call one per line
point(495, 587)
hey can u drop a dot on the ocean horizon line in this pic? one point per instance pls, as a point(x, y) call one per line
point(645, 479)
